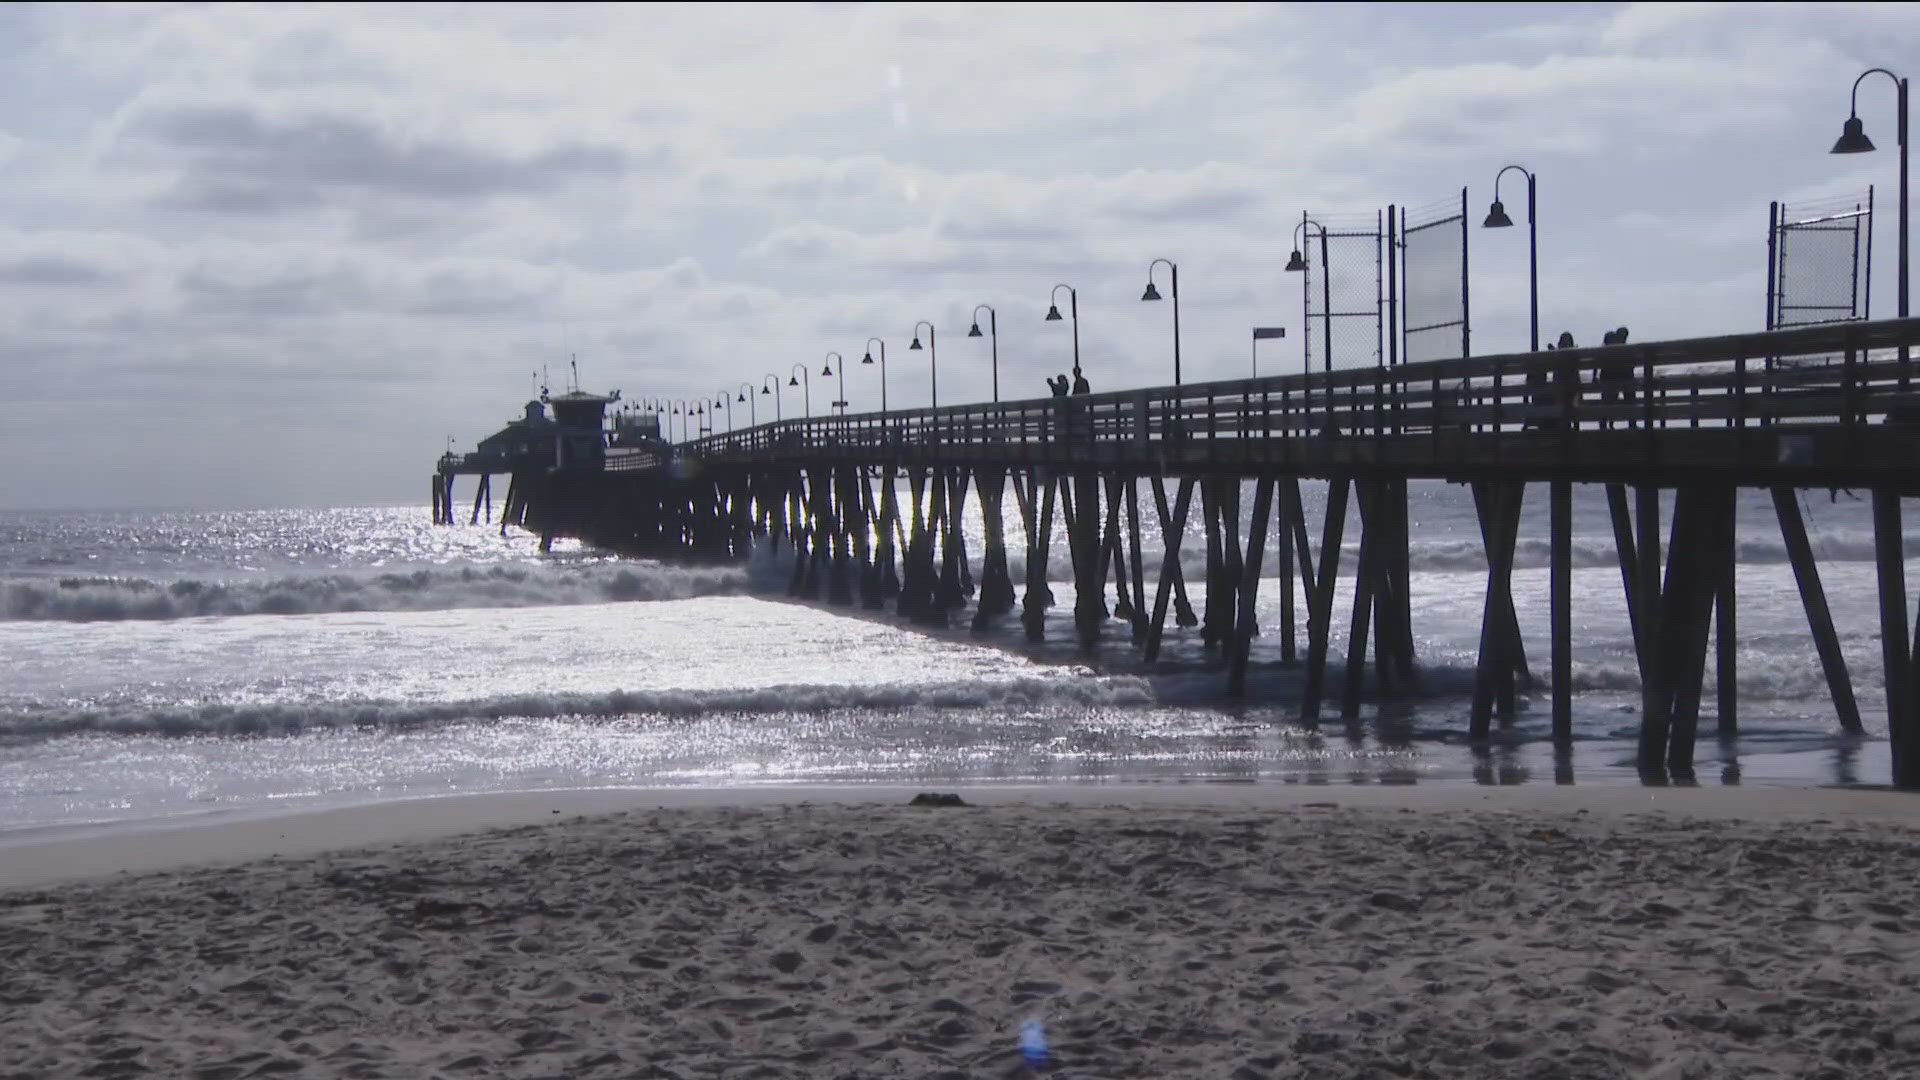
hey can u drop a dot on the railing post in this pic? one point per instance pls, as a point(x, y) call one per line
point(1499, 398)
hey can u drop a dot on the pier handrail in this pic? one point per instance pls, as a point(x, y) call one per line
point(1823, 375)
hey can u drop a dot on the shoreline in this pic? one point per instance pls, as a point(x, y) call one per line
point(73, 853)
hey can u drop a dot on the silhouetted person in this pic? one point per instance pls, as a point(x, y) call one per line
point(1080, 382)
point(1616, 376)
point(1058, 385)
point(1537, 393)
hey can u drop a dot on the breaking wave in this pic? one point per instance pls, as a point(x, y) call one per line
point(109, 599)
point(38, 720)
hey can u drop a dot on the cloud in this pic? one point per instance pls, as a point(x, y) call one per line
point(264, 211)
point(234, 157)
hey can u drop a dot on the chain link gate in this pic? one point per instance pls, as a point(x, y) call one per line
point(1433, 256)
point(1819, 266)
point(1343, 291)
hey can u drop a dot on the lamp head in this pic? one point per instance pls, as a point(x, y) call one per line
point(1053, 313)
point(793, 380)
point(1151, 293)
point(826, 369)
point(763, 390)
point(1296, 263)
point(740, 397)
point(1853, 138)
point(975, 332)
point(916, 342)
point(1497, 217)
point(867, 359)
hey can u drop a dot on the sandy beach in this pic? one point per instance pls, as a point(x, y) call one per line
point(1161, 933)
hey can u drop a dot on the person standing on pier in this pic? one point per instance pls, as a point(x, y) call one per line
point(1537, 399)
point(1616, 376)
point(1080, 385)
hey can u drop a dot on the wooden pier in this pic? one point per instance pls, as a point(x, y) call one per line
point(1825, 407)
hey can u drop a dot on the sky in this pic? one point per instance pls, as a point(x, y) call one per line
point(278, 255)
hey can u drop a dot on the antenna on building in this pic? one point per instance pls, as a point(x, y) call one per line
point(575, 363)
point(545, 381)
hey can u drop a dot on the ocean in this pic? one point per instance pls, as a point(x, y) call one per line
point(160, 664)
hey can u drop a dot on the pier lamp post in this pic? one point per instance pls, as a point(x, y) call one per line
point(1497, 219)
point(1173, 270)
point(1073, 309)
point(868, 359)
point(1296, 264)
point(727, 399)
point(775, 381)
point(799, 376)
point(753, 412)
point(1853, 140)
point(933, 359)
point(993, 334)
point(1260, 334)
point(826, 368)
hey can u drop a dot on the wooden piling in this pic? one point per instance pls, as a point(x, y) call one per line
point(1726, 639)
point(1231, 559)
point(996, 585)
point(1366, 572)
point(1249, 587)
point(1173, 527)
point(1813, 599)
point(507, 505)
point(1139, 625)
point(1039, 541)
point(1183, 610)
point(1560, 603)
point(1089, 601)
point(1653, 686)
point(1497, 504)
point(1890, 559)
point(1213, 618)
point(1283, 553)
point(1113, 551)
point(1320, 617)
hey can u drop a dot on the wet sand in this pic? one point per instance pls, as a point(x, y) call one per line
point(1153, 932)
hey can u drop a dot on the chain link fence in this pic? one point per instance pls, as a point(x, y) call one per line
point(1433, 249)
point(1820, 266)
point(1345, 289)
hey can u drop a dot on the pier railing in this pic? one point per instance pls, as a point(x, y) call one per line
point(1789, 398)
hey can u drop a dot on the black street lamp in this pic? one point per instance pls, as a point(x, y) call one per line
point(728, 399)
point(933, 359)
point(803, 380)
point(868, 359)
point(993, 330)
point(753, 412)
point(1073, 307)
point(1497, 219)
point(1154, 294)
point(775, 380)
point(827, 369)
point(1296, 264)
point(1853, 140)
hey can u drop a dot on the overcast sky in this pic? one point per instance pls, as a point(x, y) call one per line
point(276, 255)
